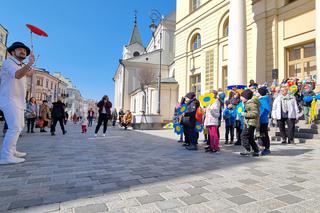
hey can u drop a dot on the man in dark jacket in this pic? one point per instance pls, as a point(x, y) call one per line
point(58, 114)
point(189, 121)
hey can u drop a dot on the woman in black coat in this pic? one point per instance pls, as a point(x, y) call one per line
point(104, 107)
point(58, 114)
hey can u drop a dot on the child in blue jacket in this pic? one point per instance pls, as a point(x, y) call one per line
point(265, 109)
point(229, 115)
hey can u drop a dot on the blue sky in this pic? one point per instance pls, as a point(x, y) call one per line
point(85, 37)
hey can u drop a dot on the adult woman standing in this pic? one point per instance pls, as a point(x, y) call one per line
point(104, 107)
point(31, 114)
point(285, 111)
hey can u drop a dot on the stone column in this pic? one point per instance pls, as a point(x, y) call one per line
point(237, 44)
point(318, 42)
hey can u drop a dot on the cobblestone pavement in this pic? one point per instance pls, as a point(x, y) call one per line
point(130, 171)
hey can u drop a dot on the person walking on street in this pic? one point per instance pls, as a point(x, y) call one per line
point(121, 114)
point(251, 122)
point(31, 114)
point(104, 114)
point(229, 115)
point(45, 115)
point(90, 117)
point(58, 114)
point(114, 117)
point(12, 99)
point(265, 109)
point(66, 117)
point(285, 111)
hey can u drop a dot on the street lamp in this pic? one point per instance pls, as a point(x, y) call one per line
point(155, 15)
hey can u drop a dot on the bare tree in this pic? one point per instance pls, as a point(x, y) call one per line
point(146, 78)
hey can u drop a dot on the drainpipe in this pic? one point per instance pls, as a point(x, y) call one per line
point(124, 80)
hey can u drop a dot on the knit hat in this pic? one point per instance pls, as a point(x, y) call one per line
point(191, 95)
point(262, 91)
point(247, 94)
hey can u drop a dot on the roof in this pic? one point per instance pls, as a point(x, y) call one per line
point(135, 36)
point(169, 81)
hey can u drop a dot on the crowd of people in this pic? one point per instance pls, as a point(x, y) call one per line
point(250, 112)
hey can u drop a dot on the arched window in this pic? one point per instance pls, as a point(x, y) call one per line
point(135, 54)
point(226, 28)
point(196, 42)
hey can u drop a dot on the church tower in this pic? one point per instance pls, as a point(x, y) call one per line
point(135, 47)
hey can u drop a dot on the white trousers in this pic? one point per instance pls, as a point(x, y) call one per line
point(15, 119)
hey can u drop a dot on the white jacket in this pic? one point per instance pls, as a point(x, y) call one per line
point(293, 110)
point(212, 114)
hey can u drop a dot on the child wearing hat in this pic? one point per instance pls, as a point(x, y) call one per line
point(251, 121)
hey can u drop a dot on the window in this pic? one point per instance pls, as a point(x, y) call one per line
point(195, 4)
point(135, 54)
point(39, 81)
point(226, 28)
point(290, 1)
point(51, 85)
point(196, 42)
point(195, 84)
point(209, 70)
point(301, 61)
point(47, 83)
point(1, 38)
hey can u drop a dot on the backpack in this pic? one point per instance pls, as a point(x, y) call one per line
point(199, 115)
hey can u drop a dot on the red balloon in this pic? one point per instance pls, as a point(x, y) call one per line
point(37, 30)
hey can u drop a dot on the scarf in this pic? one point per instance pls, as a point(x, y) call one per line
point(284, 103)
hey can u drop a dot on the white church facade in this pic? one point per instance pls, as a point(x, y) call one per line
point(136, 77)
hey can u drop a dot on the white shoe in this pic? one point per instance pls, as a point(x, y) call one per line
point(12, 160)
point(95, 135)
point(20, 154)
point(104, 135)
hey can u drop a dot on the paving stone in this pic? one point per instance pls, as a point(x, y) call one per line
point(248, 181)
point(289, 199)
point(272, 204)
point(292, 188)
point(148, 208)
point(92, 208)
point(195, 199)
point(241, 199)
point(121, 204)
point(235, 191)
point(174, 194)
point(169, 204)
point(8, 193)
point(149, 199)
point(157, 190)
point(196, 191)
point(25, 203)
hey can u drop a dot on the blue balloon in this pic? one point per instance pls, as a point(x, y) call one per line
point(318, 97)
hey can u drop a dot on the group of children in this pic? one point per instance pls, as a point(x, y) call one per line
point(247, 112)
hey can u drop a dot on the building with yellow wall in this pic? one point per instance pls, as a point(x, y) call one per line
point(222, 43)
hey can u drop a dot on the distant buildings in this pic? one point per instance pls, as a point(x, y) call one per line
point(3, 44)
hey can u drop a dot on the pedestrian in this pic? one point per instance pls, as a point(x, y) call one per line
point(90, 117)
point(189, 121)
point(31, 114)
point(121, 114)
point(229, 115)
point(45, 116)
point(12, 98)
point(251, 121)
point(114, 117)
point(66, 117)
point(58, 114)
point(239, 123)
point(84, 124)
point(104, 107)
point(211, 122)
point(265, 110)
point(285, 111)
point(307, 91)
point(127, 119)
point(75, 118)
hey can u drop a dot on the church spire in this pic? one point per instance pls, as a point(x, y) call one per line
point(135, 36)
